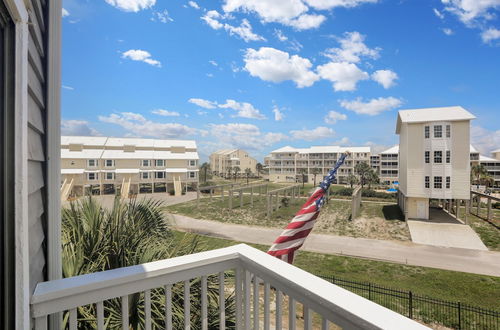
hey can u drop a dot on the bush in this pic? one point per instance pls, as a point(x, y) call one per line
point(377, 194)
point(344, 192)
point(496, 205)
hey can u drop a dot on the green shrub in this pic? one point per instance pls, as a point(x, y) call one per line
point(344, 192)
point(496, 205)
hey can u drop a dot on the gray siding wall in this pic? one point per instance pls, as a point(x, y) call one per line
point(36, 141)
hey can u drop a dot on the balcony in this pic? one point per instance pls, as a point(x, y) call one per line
point(258, 278)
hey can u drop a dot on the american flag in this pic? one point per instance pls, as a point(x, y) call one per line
point(294, 235)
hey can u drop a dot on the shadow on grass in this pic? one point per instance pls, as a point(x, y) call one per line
point(392, 212)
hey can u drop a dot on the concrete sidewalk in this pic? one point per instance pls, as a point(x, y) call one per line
point(456, 259)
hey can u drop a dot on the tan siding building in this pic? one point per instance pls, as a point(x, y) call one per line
point(102, 165)
point(224, 161)
point(434, 157)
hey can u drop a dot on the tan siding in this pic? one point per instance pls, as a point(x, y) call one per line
point(36, 144)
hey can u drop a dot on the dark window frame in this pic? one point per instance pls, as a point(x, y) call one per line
point(427, 132)
point(427, 157)
point(427, 182)
point(438, 155)
point(438, 184)
point(438, 131)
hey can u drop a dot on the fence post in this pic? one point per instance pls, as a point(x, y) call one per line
point(410, 304)
point(459, 316)
point(369, 291)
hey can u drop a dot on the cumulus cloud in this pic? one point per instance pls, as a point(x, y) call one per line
point(193, 4)
point(343, 142)
point(132, 5)
point(329, 4)
point(472, 11)
point(485, 140)
point(165, 113)
point(490, 35)
point(244, 30)
point(386, 78)
point(274, 65)
point(376, 148)
point(162, 16)
point(352, 49)
point(141, 56)
point(138, 125)
point(243, 109)
point(344, 76)
point(279, 34)
point(203, 103)
point(317, 133)
point(212, 19)
point(372, 107)
point(65, 13)
point(245, 136)
point(78, 127)
point(278, 114)
point(333, 116)
point(288, 12)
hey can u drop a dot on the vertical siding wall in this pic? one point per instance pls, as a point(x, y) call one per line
point(460, 159)
point(36, 137)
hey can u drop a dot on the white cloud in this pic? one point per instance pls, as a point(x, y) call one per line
point(279, 34)
point(162, 16)
point(470, 11)
point(386, 78)
point(317, 133)
point(372, 107)
point(77, 127)
point(438, 13)
point(244, 109)
point(203, 103)
point(344, 76)
point(484, 139)
point(274, 65)
point(245, 136)
point(65, 13)
point(329, 4)
point(212, 19)
point(342, 142)
point(376, 148)
point(165, 113)
point(68, 87)
point(352, 48)
point(490, 35)
point(244, 31)
point(333, 116)
point(201, 113)
point(213, 63)
point(447, 31)
point(194, 5)
point(288, 12)
point(132, 5)
point(141, 56)
point(138, 125)
point(278, 114)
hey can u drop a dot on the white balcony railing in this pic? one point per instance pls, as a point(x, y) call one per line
point(255, 272)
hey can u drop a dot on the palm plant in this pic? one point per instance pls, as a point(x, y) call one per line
point(97, 239)
point(372, 177)
point(352, 179)
point(205, 167)
point(259, 168)
point(479, 172)
point(236, 170)
point(248, 172)
point(362, 169)
point(315, 171)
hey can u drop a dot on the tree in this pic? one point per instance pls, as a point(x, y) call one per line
point(229, 172)
point(236, 170)
point(248, 172)
point(259, 168)
point(372, 177)
point(352, 179)
point(96, 239)
point(315, 171)
point(303, 172)
point(478, 172)
point(204, 167)
point(362, 169)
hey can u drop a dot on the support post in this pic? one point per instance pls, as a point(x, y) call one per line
point(251, 195)
point(241, 198)
point(489, 209)
point(211, 193)
point(230, 199)
point(478, 204)
point(222, 193)
point(467, 208)
point(269, 201)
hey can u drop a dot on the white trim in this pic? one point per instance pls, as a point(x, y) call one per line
point(21, 254)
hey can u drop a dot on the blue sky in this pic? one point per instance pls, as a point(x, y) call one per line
point(261, 74)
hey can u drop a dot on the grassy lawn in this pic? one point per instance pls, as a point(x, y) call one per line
point(467, 288)
point(486, 231)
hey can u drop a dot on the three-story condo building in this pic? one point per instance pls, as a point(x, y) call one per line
point(434, 153)
point(389, 165)
point(290, 164)
point(105, 165)
point(223, 162)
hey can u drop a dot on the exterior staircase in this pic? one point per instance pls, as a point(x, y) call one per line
point(125, 188)
point(177, 186)
point(66, 189)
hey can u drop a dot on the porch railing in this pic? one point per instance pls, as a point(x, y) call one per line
point(255, 272)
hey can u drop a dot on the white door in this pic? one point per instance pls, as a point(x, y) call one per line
point(421, 210)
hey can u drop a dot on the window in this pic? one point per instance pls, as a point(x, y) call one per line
point(145, 175)
point(427, 130)
point(448, 156)
point(427, 157)
point(92, 163)
point(448, 182)
point(160, 162)
point(193, 163)
point(92, 176)
point(438, 182)
point(438, 157)
point(146, 163)
point(110, 176)
point(438, 131)
point(109, 163)
point(192, 175)
point(448, 131)
point(427, 182)
point(160, 175)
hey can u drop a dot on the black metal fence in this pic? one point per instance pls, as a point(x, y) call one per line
point(425, 309)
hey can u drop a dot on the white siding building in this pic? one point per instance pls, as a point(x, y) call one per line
point(389, 165)
point(434, 153)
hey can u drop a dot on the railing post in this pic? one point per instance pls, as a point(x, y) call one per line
point(410, 304)
point(459, 316)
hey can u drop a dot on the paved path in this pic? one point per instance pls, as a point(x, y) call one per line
point(463, 260)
